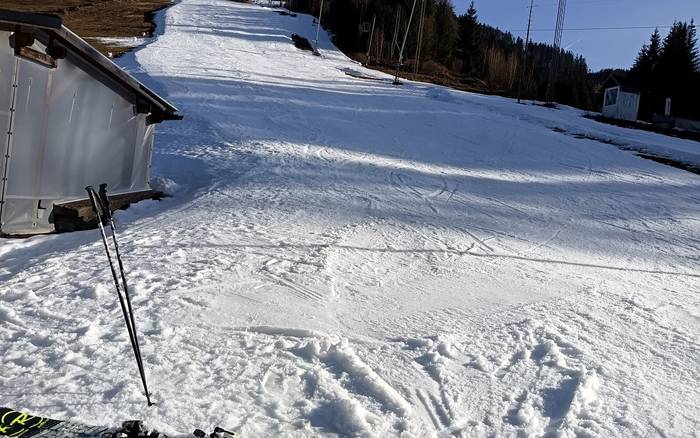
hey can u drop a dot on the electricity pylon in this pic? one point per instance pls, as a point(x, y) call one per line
point(559, 30)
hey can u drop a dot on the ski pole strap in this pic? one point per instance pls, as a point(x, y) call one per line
point(104, 201)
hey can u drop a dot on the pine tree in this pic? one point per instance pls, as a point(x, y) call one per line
point(679, 54)
point(678, 63)
point(692, 43)
point(470, 50)
point(445, 31)
point(693, 111)
point(644, 68)
point(654, 49)
point(643, 62)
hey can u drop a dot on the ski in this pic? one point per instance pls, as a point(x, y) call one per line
point(21, 424)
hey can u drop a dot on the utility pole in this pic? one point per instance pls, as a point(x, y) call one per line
point(420, 36)
point(318, 29)
point(394, 40)
point(527, 44)
point(371, 35)
point(403, 45)
point(559, 30)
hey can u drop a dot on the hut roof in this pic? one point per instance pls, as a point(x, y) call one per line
point(49, 29)
point(619, 81)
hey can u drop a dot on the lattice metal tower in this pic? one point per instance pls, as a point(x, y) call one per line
point(561, 12)
point(559, 30)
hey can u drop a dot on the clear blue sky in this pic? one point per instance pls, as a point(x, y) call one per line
point(601, 48)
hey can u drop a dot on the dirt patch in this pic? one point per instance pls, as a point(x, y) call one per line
point(434, 74)
point(670, 162)
point(686, 135)
point(92, 19)
point(301, 43)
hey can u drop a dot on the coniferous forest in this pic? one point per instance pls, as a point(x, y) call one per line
point(462, 52)
point(669, 67)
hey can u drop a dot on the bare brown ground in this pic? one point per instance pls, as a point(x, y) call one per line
point(91, 19)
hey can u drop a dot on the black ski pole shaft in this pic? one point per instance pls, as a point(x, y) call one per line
point(104, 201)
point(128, 318)
point(129, 328)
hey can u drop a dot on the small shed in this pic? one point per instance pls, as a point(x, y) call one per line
point(619, 100)
point(70, 117)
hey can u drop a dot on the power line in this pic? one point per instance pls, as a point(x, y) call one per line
point(586, 2)
point(594, 28)
point(537, 5)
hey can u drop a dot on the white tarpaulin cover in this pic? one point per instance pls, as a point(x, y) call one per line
point(66, 129)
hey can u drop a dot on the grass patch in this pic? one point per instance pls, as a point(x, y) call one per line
point(436, 74)
point(92, 19)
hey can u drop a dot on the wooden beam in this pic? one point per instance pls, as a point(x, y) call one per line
point(78, 215)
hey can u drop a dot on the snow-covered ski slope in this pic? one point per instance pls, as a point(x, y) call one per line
point(342, 256)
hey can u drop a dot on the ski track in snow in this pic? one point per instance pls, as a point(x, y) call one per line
point(344, 257)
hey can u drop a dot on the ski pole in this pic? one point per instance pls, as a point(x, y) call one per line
point(97, 207)
point(104, 203)
point(94, 201)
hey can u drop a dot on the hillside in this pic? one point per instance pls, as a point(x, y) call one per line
point(457, 51)
point(113, 26)
point(343, 257)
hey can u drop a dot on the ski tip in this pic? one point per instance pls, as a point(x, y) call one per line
point(224, 433)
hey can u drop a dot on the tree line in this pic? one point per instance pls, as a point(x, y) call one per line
point(669, 68)
point(458, 51)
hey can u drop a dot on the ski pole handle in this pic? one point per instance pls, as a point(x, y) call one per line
point(96, 204)
point(93, 200)
point(104, 201)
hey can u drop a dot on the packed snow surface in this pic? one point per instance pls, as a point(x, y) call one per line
point(342, 256)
